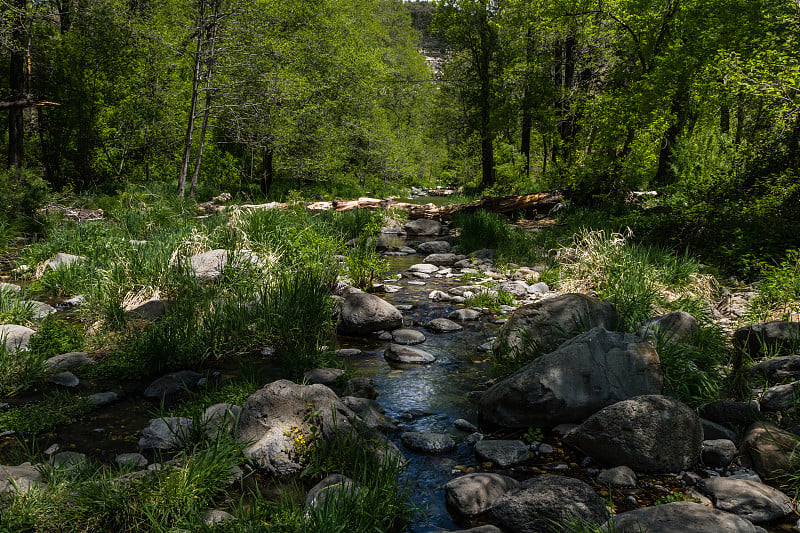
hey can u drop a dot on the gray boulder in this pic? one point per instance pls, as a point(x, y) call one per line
point(323, 375)
point(168, 433)
point(423, 227)
point(40, 309)
point(780, 397)
point(714, 431)
point(172, 384)
point(773, 451)
point(647, 433)
point(503, 453)
point(730, 413)
point(149, 310)
point(371, 413)
point(443, 325)
point(718, 452)
point(408, 336)
point(442, 259)
point(432, 443)
point(361, 387)
point(274, 417)
point(363, 313)
point(475, 494)
point(434, 247)
point(538, 502)
point(397, 353)
point(333, 486)
point(464, 315)
point(674, 328)
point(618, 477)
point(423, 268)
point(64, 379)
point(754, 501)
point(778, 369)
point(549, 322)
point(20, 478)
point(220, 417)
point(679, 517)
point(68, 361)
point(591, 371)
point(16, 337)
point(133, 460)
point(99, 399)
point(774, 337)
point(208, 266)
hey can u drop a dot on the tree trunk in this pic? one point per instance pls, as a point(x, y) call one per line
point(267, 170)
point(187, 142)
point(527, 119)
point(679, 101)
point(16, 83)
point(212, 36)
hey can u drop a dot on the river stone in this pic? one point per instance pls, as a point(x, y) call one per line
point(647, 433)
point(465, 425)
point(208, 266)
point(544, 499)
point(423, 268)
point(679, 517)
point(40, 309)
point(371, 413)
point(780, 397)
point(271, 415)
point(135, 460)
point(718, 452)
point(714, 431)
point(464, 315)
point(20, 478)
point(64, 379)
point(517, 289)
point(443, 325)
point(100, 399)
point(776, 336)
point(434, 247)
point(68, 361)
point(772, 450)
point(10, 287)
point(172, 383)
point(778, 368)
point(408, 336)
point(361, 387)
point(423, 227)
point(323, 375)
point(674, 328)
point(439, 296)
point(62, 260)
point(428, 442)
point(330, 487)
point(348, 352)
point(220, 417)
point(214, 517)
point(754, 501)
point(620, 477)
point(64, 460)
point(150, 310)
point(166, 433)
point(16, 337)
point(474, 494)
point(488, 528)
point(397, 353)
point(503, 453)
point(526, 274)
point(549, 322)
point(730, 413)
point(442, 259)
point(363, 313)
point(589, 372)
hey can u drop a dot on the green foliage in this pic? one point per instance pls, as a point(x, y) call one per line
point(364, 265)
point(481, 229)
point(490, 298)
point(778, 290)
point(14, 309)
point(533, 435)
point(53, 410)
point(56, 336)
point(24, 191)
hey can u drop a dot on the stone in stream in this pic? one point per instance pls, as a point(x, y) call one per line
point(538, 288)
point(768, 337)
point(777, 369)
point(65, 460)
point(780, 397)
point(647, 433)
point(674, 328)
point(330, 487)
point(361, 387)
point(464, 315)
point(730, 413)
point(220, 417)
point(443, 325)
point(172, 384)
point(10, 287)
point(679, 517)
point(134, 460)
point(423, 227)
point(64, 379)
point(363, 313)
point(442, 259)
point(538, 502)
point(475, 494)
point(20, 478)
point(408, 336)
point(549, 322)
point(439, 296)
point(63, 260)
point(397, 353)
point(423, 268)
point(323, 375)
point(371, 413)
point(68, 361)
point(434, 247)
point(773, 451)
point(16, 337)
point(503, 453)
point(517, 289)
point(348, 352)
point(718, 452)
point(754, 501)
point(585, 374)
point(40, 309)
point(166, 433)
point(433, 443)
point(620, 477)
point(465, 425)
point(100, 399)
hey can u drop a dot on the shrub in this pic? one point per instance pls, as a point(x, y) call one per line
point(24, 191)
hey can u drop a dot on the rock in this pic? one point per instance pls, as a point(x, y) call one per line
point(220, 417)
point(363, 313)
point(718, 452)
point(780, 397)
point(432, 443)
point(439, 296)
point(544, 499)
point(20, 478)
point(348, 352)
point(64, 460)
point(475, 494)
point(776, 338)
point(408, 336)
point(517, 289)
point(442, 259)
point(673, 328)
point(40, 309)
point(68, 361)
point(773, 451)
point(397, 353)
point(754, 501)
point(647, 433)
point(100, 399)
point(714, 431)
point(214, 517)
point(538, 288)
point(332, 486)
point(172, 384)
point(361, 387)
point(443, 325)
point(549, 322)
point(423, 268)
point(134, 460)
point(525, 274)
point(678, 517)
point(464, 315)
point(423, 227)
point(465, 425)
point(370, 413)
point(619, 477)
point(503, 453)
point(10, 288)
point(324, 375)
point(778, 369)
point(730, 413)
point(208, 266)
point(149, 310)
point(166, 433)
point(63, 260)
point(16, 337)
point(64, 379)
point(75, 301)
point(434, 247)
point(274, 418)
point(591, 371)
point(488, 528)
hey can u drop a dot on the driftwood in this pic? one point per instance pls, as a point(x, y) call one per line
point(539, 202)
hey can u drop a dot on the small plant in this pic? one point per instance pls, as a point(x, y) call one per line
point(676, 496)
point(56, 336)
point(490, 298)
point(533, 435)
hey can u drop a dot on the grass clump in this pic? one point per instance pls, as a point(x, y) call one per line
point(14, 309)
point(54, 409)
point(778, 295)
point(490, 298)
point(19, 369)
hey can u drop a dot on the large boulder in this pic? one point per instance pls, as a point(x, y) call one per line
point(362, 313)
point(754, 501)
point(278, 421)
point(547, 323)
point(16, 337)
point(423, 227)
point(775, 337)
point(647, 433)
point(587, 373)
point(777, 369)
point(780, 397)
point(474, 494)
point(679, 517)
point(545, 499)
point(674, 328)
point(772, 450)
point(434, 247)
point(208, 266)
point(20, 478)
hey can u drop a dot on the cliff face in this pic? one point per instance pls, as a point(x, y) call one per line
point(432, 42)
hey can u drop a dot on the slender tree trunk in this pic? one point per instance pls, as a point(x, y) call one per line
point(187, 142)
point(739, 118)
point(16, 82)
point(527, 118)
point(679, 110)
point(209, 95)
point(267, 170)
point(724, 118)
